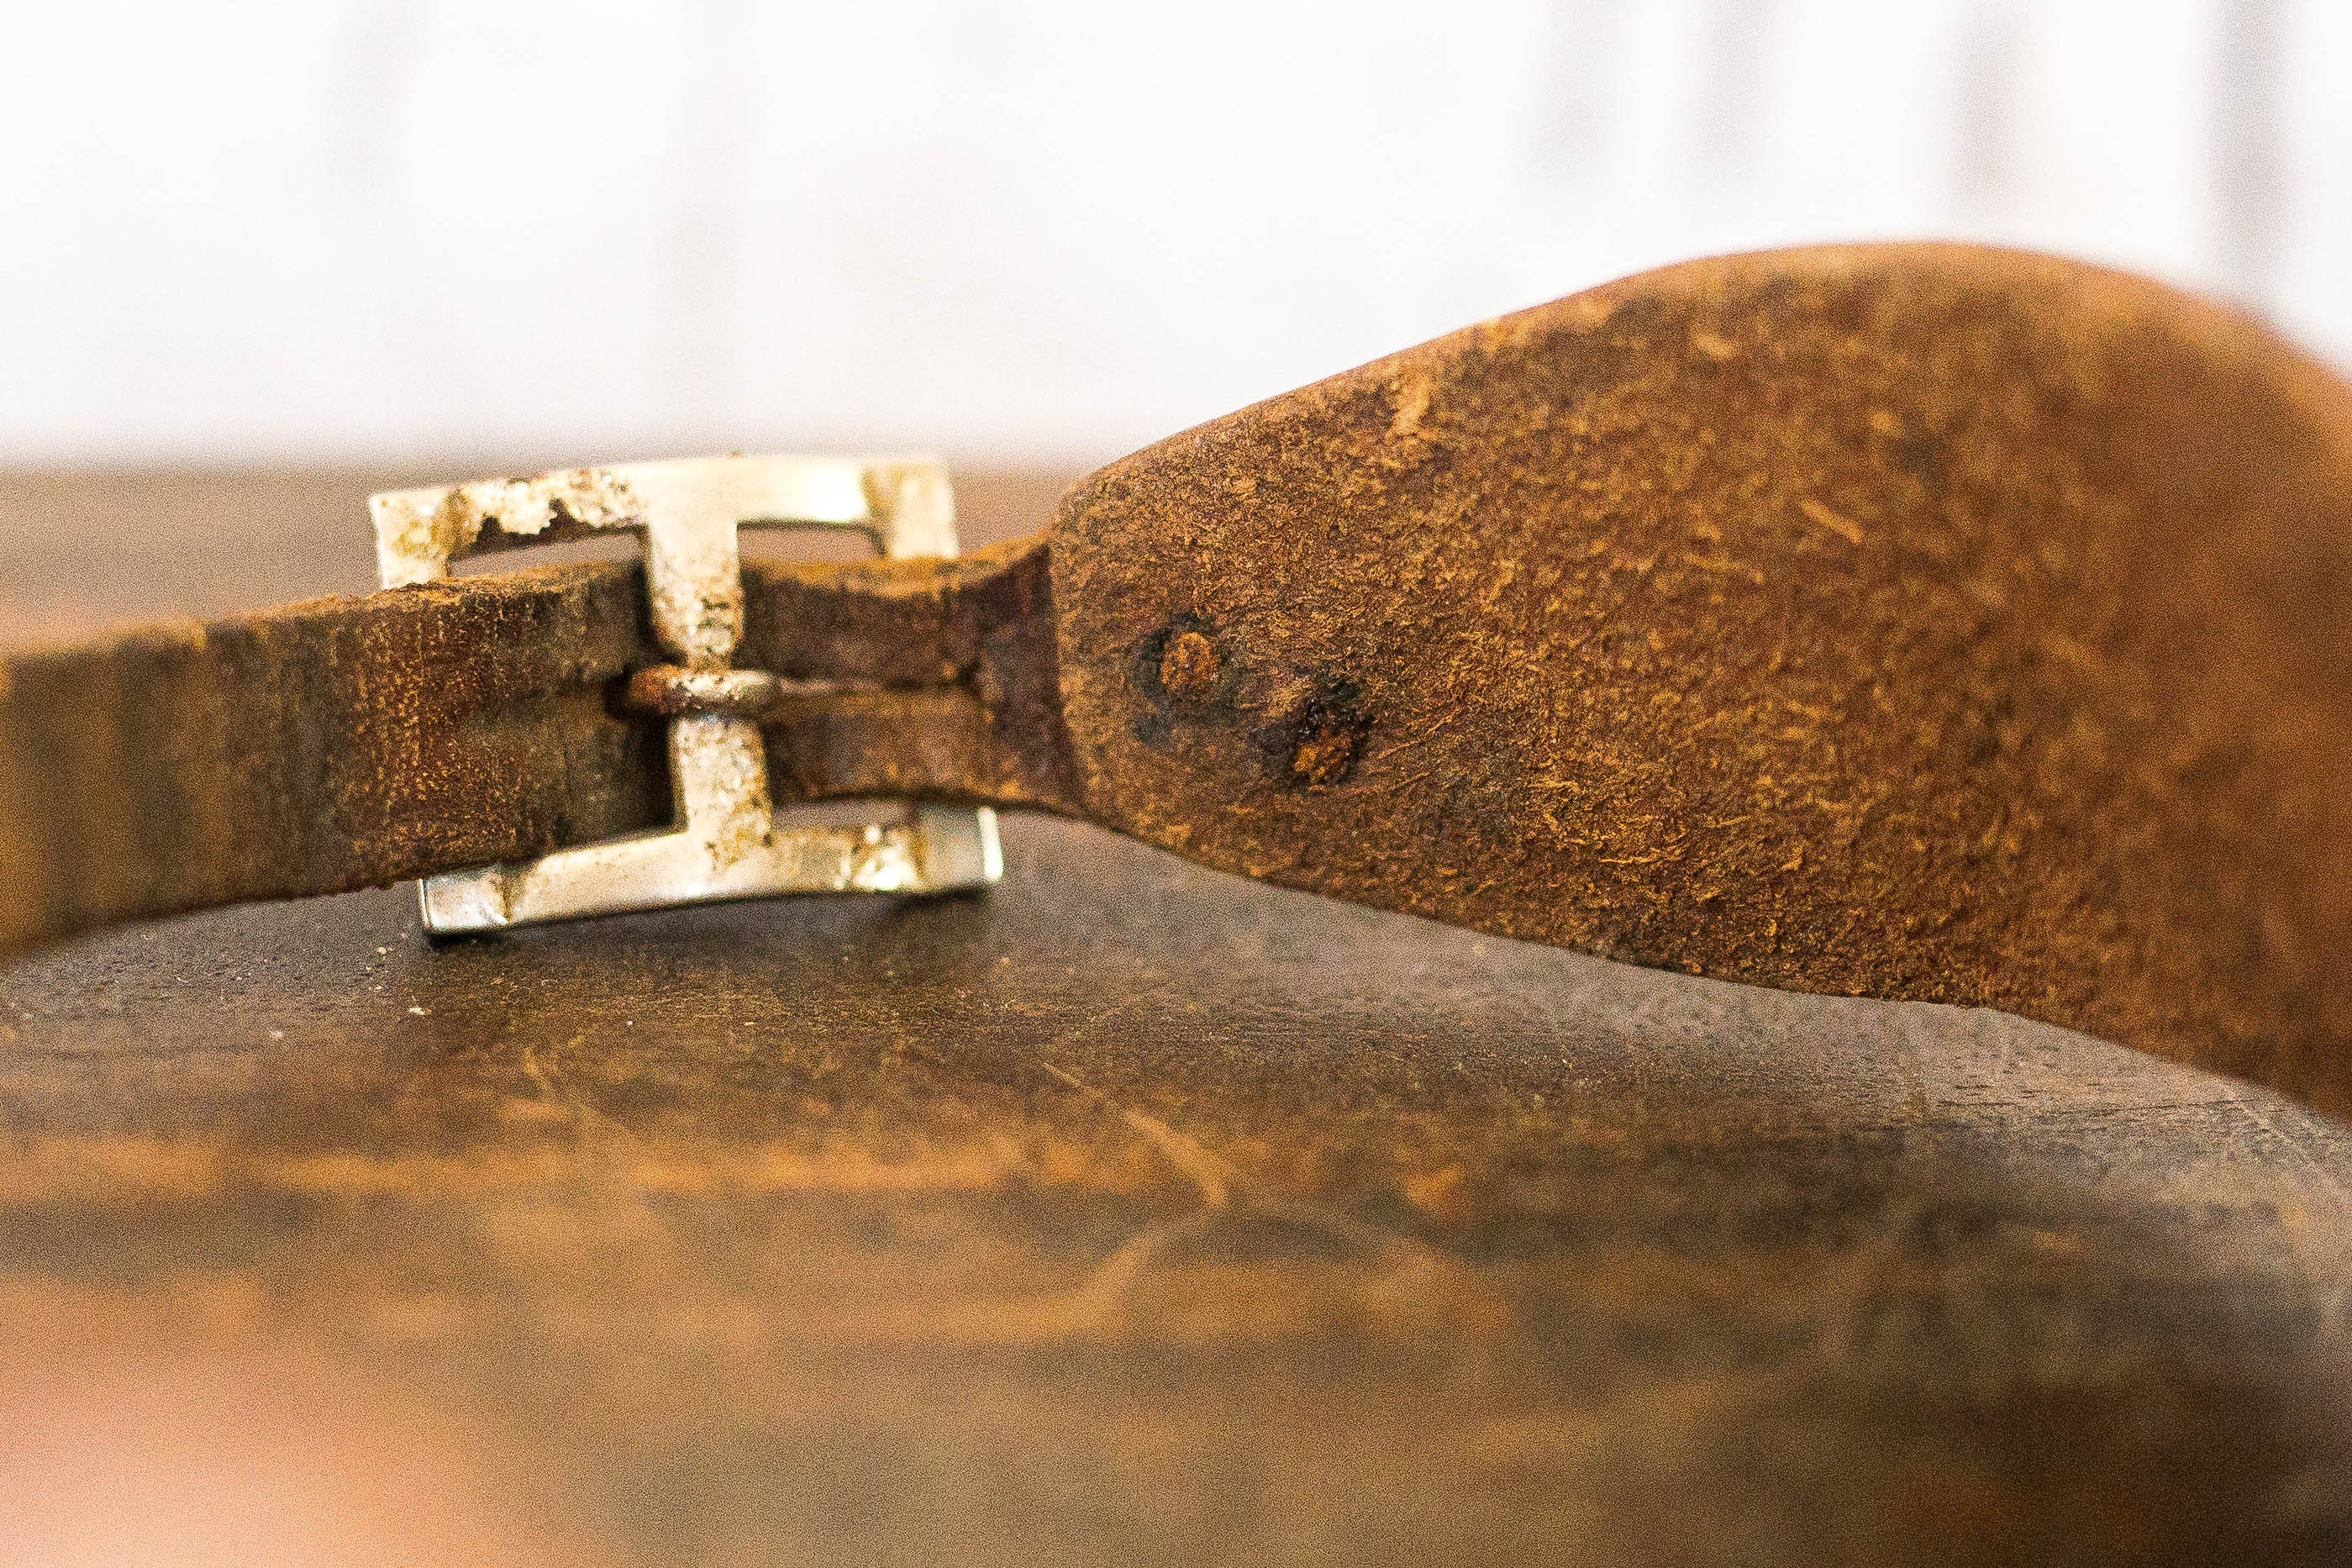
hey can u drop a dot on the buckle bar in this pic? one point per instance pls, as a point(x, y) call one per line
point(726, 843)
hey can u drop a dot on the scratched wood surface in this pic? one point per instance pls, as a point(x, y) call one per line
point(1133, 1213)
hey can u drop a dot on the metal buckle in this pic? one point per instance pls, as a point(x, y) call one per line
point(726, 843)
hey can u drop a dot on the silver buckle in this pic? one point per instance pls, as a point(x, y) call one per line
point(726, 843)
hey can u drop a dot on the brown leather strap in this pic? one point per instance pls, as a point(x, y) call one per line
point(1909, 621)
point(1921, 622)
point(349, 743)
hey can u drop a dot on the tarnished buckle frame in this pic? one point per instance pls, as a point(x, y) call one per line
point(726, 843)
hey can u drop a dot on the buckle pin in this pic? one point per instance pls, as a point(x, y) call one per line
point(725, 842)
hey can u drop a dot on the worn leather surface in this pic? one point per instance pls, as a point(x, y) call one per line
point(1133, 1212)
point(160, 750)
point(1907, 621)
point(347, 743)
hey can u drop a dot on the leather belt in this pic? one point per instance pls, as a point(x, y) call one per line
point(1914, 621)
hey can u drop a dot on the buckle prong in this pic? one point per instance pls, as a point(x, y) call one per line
point(725, 842)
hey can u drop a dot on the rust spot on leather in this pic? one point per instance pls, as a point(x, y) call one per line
point(1189, 666)
point(1185, 679)
point(1316, 745)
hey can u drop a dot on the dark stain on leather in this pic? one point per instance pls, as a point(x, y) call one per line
point(1316, 743)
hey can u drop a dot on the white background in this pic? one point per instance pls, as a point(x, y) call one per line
point(361, 230)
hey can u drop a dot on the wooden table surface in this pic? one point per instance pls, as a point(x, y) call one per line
point(1130, 1212)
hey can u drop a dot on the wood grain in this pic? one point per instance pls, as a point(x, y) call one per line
point(1135, 1212)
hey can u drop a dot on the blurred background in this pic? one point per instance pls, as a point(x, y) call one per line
point(490, 230)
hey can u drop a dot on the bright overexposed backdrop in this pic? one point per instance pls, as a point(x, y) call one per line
point(359, 228)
